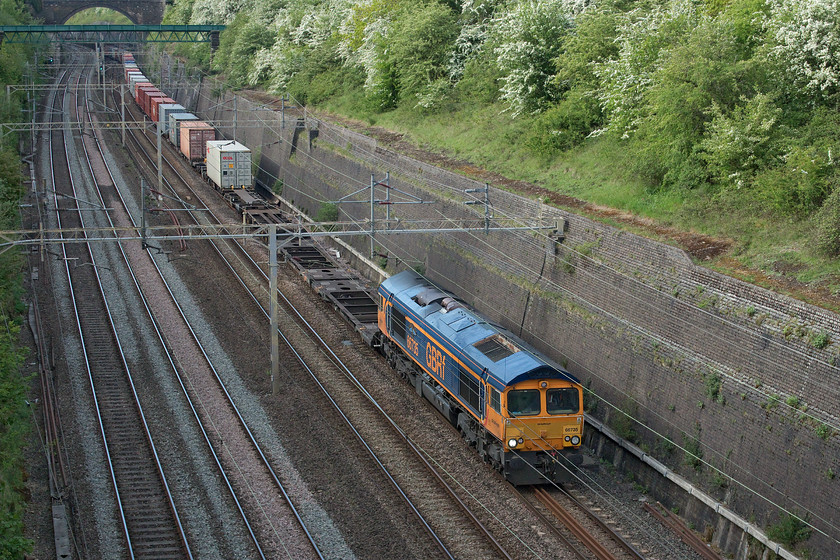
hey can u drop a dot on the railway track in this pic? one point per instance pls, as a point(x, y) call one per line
point(587, 528)
point(250, 477)
point(148, 516)
point(255, 280)
point(312, 264)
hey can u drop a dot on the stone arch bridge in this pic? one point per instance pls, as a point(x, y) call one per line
point(140, 12)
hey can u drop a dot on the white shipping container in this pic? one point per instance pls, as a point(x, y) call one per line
point(229, 164)
point(174, 130)
point(134, 78)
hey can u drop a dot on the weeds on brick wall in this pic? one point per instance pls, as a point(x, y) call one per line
point(829, 474)
point(623, 422)
point(713, 382)
point(590, 399)
point(567, 264)
point(792, 401)
point(790, 530)
point(277, 188)
point(751, 311)
point(823, 431)
point(708, 303)
point(586, 249)
point(772, 402)
point(794, 329)
point(820, 340)
point(664, 447)
point(693, 450)
point(327, 212)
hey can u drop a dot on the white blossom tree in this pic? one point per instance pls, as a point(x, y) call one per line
point(527, 39)
point(807, 44)
point(644, 36)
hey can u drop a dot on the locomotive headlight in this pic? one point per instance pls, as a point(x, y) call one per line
point(575, 440)
point(567, 438)
point(512, 443)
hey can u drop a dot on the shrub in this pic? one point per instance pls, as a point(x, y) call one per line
point(713, 383)
point(693, 451)
point(566, 124)
point(827, 225)
point(623, 422)
point(820, 340)
point(790, 530)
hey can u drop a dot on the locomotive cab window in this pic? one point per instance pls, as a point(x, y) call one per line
point(563, 401)
point(495, 400)
point(523, 402)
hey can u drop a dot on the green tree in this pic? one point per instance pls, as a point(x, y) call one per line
point(238, 44)
point(577, 112)
point(527, 39)
point(705, 70)
point(419, 47)
point(742, 142)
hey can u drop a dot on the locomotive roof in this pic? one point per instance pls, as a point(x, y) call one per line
point(506, 357)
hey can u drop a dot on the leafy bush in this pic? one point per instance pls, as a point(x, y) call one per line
point(693, 452)
point(566, 124)
point(526, 40)
point(805, 46)
point(742, 142)
point(820, 340)
point(790, 530)
point(801, 186)
point(827, 222)
point(240, 41)
point(327, 212)
point(419, 47)
point(624, 423)
point(713, 382)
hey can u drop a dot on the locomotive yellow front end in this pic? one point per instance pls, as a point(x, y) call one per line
point(543, 430)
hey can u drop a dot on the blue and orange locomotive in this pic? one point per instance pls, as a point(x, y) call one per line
point(523, 413)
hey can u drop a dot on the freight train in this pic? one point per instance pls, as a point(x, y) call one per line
point(522, 413)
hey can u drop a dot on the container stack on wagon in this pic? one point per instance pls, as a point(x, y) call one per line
point(227, 164)
point(164, 110)
point(175, 121)
point(194, 138)
point(155, 106)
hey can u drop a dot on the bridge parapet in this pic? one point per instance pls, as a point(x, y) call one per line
point(141, 12)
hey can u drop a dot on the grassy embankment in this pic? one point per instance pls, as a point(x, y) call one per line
point(764, 248)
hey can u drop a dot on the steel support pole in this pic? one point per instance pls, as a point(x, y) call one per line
point(159, 159)
point(143, 212)
point(272, 311)
point(372, 223)
point(104, 96)
point(486, 207)
point(122, 111)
